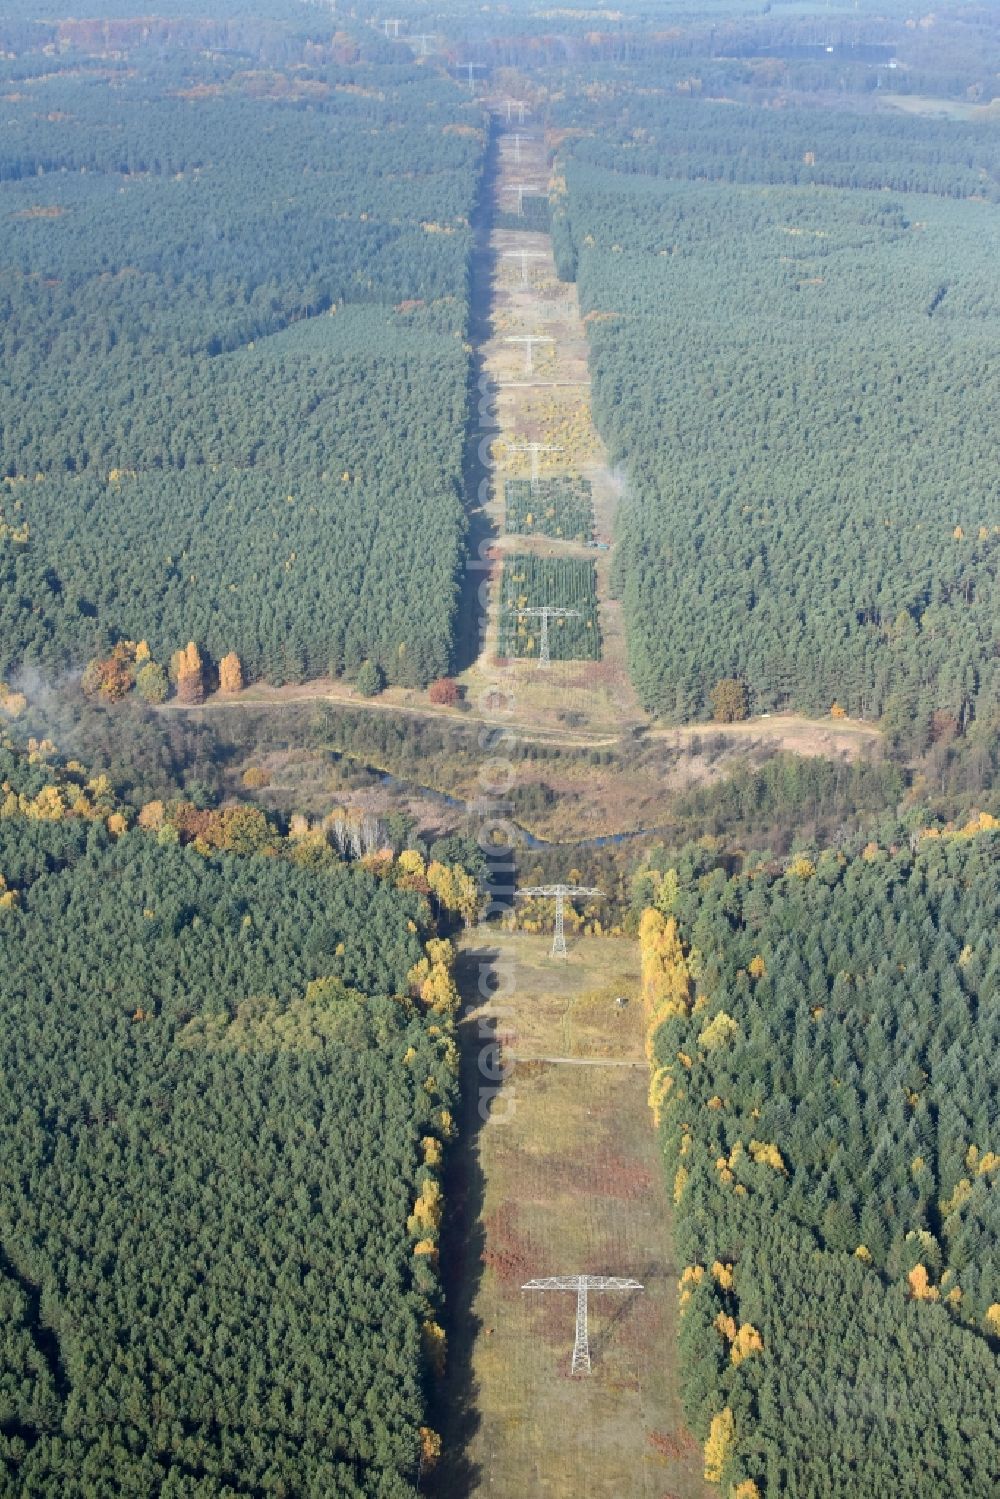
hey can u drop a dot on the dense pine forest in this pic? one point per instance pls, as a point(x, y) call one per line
point(222, 1114)
point(823, 1036)
point(233, 307)
point(250, 273)
point(797, 371)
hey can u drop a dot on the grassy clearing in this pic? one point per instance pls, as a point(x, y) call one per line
point(569, 1180)
point(944, 109)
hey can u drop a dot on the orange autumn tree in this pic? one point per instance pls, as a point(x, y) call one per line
point(443, 692)
point(112, 677)
point(230, 673)
point(188, 672)
point(730, 700)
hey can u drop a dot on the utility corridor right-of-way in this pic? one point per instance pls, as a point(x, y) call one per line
point(562, 1177)
point(535, 360)
point(557, 1171)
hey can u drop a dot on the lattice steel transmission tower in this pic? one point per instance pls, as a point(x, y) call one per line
point(479, 67)
point(517, 147)
point(562, 893)
point(582, 1285)
point(395, 24)
point(529, 340)
point(424, 39)
point(545, 612)
point(521, 188)
point(520, 105)
point(524, 256)
point(536, 449)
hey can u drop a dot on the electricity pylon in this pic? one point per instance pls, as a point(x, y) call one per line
point(562, 893)
point(521, 188)
point(517, 148)
point(529, 340)
point(524, 256)
point(395, 27)
point(478, 67)
point(545, 613)
point(425, 40)
point(582, 1285)
point(535, 449)
point(519, 105)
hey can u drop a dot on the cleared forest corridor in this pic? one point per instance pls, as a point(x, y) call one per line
point(553, 496)
point(564, 1178)
point(559, 1173)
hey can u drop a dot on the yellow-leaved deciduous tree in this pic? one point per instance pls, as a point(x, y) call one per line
point(12, 703)
point(442, 883)
point(433, 1152)
point(468, 896)
point(745, 1490)
point(920, 1286)
point(667, 892)
point(48, 805)
point(187, 672)
point(666, 978)
point(981, 1165)
point(726, 1325)
point(748, 1340)
point(767, 1154)
point(719, 1031)
point(430, 1449)
point(718, 1445)
point(691, 1276)
point(230, 673)
point(992, 1319)
point(435, 1346)
point(152, 816)
point(411, 863)
point(660, 1085)
point(455, 889)
point(723, 1274)
point(431, 979)
point(425, 1220)
point(8, 897)
point(757, 968)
